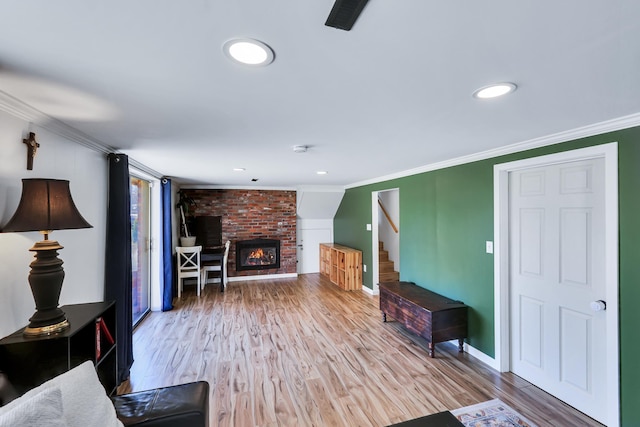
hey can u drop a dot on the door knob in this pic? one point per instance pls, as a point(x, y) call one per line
point(598, 305)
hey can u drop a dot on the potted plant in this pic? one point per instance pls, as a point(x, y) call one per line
point(184, 205)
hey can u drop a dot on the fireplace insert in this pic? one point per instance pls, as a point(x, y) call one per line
point(257, 254)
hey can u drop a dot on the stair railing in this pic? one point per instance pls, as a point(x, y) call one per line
point(386, 214)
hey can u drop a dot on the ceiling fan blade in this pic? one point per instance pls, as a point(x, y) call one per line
point(344, 13)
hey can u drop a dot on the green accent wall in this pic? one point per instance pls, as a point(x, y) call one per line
point(446, 216)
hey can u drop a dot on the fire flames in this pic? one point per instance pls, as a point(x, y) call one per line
point(259, 257)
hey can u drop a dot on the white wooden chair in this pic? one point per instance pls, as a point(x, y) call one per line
point(219, 266)
point(188, 265)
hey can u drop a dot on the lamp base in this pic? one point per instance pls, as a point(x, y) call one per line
point(46, 330)
point(46, 278)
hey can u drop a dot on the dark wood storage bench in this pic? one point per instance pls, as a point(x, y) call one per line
point(432, 316)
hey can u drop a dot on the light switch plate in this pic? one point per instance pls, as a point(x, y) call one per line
point(368, 227)
point(489, 247)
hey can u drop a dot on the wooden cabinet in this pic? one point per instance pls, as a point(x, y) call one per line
point(342, 265)
point(325, 259)
point(30, 361)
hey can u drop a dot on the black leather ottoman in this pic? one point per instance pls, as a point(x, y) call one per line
point(441, 419)
point(184, 405)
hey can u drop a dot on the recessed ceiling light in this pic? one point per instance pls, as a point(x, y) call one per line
point(249, 52)
point(322, 172)
point(494, 90)
point(239, 169)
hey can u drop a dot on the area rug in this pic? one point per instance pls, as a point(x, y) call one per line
point(492, 413)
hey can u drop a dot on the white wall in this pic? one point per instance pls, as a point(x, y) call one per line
point(310, 233)
point(318, 202)
point(83, 252)
point(316, 207)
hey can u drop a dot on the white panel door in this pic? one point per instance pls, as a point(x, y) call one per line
point(309, 240)
point(556, 272)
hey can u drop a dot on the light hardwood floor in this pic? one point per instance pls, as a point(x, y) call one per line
point(302, 352)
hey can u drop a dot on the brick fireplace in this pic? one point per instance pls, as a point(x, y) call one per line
point(250, 215)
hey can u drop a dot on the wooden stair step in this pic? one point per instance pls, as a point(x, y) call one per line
point(393, 276)
point(386, 266)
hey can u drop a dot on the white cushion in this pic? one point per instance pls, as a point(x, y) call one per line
point(84, 401)
point(42, 409)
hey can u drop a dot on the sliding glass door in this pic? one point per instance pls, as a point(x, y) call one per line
point(140, 246)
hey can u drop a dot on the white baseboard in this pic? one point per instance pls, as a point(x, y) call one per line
point(263, 277)
point(370, 291)
point(487, 360)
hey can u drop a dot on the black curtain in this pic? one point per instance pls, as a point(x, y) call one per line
point(167, 247)
point(118, 259)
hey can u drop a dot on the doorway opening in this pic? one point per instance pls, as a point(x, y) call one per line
point(385, 236)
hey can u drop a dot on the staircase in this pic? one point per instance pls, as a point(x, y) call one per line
point(386, 268)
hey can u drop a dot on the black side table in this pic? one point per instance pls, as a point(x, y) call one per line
point(30, 361)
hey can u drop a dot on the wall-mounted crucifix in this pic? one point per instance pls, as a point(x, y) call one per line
point(32, 147)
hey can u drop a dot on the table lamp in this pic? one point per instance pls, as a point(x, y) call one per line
point(46, 205)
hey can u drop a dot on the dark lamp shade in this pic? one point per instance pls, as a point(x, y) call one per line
point(45, 205)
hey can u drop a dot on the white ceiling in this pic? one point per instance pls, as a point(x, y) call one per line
point(148, 78)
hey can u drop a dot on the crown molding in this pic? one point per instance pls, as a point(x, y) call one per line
point(620, 123)
point(232, 187)
point(18, 108)
point(21, 110)
point(321, 188)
